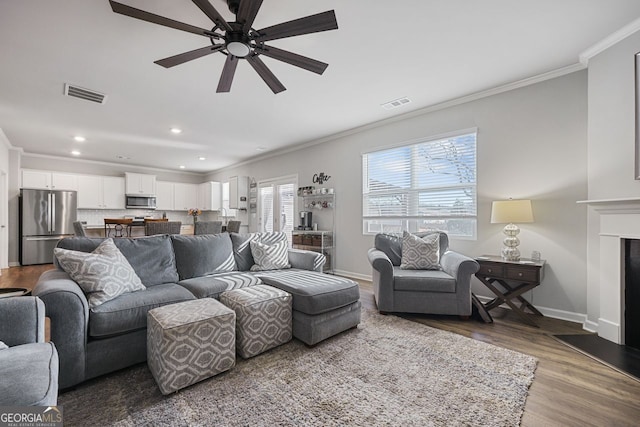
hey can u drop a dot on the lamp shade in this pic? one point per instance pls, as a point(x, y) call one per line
point(511, 211)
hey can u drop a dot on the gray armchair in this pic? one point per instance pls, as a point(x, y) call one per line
point(446, 291)
point(29, 366)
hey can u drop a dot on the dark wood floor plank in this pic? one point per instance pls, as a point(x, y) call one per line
point(570, 389)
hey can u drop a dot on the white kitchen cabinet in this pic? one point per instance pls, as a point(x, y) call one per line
point(113, 192)
point(140, 184)
point(164, 195)
point(210, 196)
point(185, 196)
point(101, 192)
point(238, 192)
point(47, 180)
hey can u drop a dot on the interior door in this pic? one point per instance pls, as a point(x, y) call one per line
point(276, 205)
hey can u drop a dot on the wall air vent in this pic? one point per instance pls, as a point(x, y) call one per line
point(396, 103)
point(86, 94)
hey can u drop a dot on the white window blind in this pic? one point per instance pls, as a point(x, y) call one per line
point(430, 184)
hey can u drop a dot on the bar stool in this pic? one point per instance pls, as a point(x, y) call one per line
point(121, 227)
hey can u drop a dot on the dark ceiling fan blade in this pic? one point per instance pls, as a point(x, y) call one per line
point(310, 24)
point(172, 61)
point(293, 59)
point(228, 72)
point(123, 9)
point(206, 7)
point(247, 12)
point(269, 78)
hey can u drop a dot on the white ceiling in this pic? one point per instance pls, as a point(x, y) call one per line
point(430, 51)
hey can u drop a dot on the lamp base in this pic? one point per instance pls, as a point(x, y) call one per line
point(510, 251)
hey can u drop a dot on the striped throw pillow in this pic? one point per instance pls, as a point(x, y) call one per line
point(270, 257)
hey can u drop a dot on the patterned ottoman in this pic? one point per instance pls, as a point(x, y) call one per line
point(263, 318)
point(190, 341)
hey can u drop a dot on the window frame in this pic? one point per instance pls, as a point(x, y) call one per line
point(410, 220)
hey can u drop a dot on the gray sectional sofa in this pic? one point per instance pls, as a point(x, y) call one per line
point(111, 336)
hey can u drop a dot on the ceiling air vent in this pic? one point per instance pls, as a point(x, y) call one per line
point(86, 94)
point(396, 103)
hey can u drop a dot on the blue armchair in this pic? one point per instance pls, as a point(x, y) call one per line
point(29, 366)
point(445, 291)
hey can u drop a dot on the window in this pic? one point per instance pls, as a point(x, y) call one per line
point(430, 184)
point(276, 202)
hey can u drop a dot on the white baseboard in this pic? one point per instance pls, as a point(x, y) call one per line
point(590, 326)
point(609, 330)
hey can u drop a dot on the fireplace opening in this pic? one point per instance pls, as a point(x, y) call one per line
point(632, 293)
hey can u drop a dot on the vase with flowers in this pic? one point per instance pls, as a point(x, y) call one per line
point(195, 212)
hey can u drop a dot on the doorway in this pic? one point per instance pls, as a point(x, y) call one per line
point(276, 205)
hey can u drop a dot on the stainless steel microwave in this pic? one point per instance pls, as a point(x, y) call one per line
point(140, 202)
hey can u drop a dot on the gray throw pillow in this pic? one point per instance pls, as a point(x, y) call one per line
point(420, 253)
point(270, 257)
point(3, 346)
point(102, 274)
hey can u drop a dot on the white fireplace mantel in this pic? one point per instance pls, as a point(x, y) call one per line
point(619, 220)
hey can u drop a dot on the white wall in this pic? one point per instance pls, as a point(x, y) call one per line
point(531, 144)
point(611, 142)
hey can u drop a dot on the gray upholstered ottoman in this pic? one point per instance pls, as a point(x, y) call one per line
point(263, 318)
point(190, 341)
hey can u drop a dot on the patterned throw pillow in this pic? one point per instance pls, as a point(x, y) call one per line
point(420, 253)
point(270, 257)
point(102, 274)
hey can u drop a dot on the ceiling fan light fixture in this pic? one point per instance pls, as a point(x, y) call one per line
point(238, 49)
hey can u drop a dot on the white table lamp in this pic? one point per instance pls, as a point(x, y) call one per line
point(511, 212)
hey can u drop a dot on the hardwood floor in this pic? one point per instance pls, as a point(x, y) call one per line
point(570, 389)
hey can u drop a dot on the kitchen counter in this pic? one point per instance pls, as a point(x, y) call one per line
point(137, 230)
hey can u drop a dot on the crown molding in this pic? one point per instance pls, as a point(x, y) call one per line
point(609, 41)
point(415, 113)
point(120, 165)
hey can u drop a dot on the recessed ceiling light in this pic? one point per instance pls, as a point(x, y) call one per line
point(75, 153)
point(261, 148)
point(202, 158)
point(176, 130)
point(79, 138)
point(182, 166)
point(121, 157)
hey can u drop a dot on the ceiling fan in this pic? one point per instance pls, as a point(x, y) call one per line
point(238, 40)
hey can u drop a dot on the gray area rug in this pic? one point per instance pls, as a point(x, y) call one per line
point(389, 371)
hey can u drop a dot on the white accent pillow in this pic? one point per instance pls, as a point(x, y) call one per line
point(420, 253)
point(3, 346)
point(102, 274)
point(270, 257)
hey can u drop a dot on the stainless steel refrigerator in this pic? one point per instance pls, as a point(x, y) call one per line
point(46, 216)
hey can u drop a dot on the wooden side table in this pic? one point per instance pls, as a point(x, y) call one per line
point(515, 278)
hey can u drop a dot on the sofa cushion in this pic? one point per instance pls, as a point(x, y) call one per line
point(203, 254)
point(269, 257)
point(102, 274)
point(128, 312)
point(151, 257)
point(391, 244)
point(422, 280)
point(420, 253)
point(242, 247)
point(213, 285)
point(313, 292)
